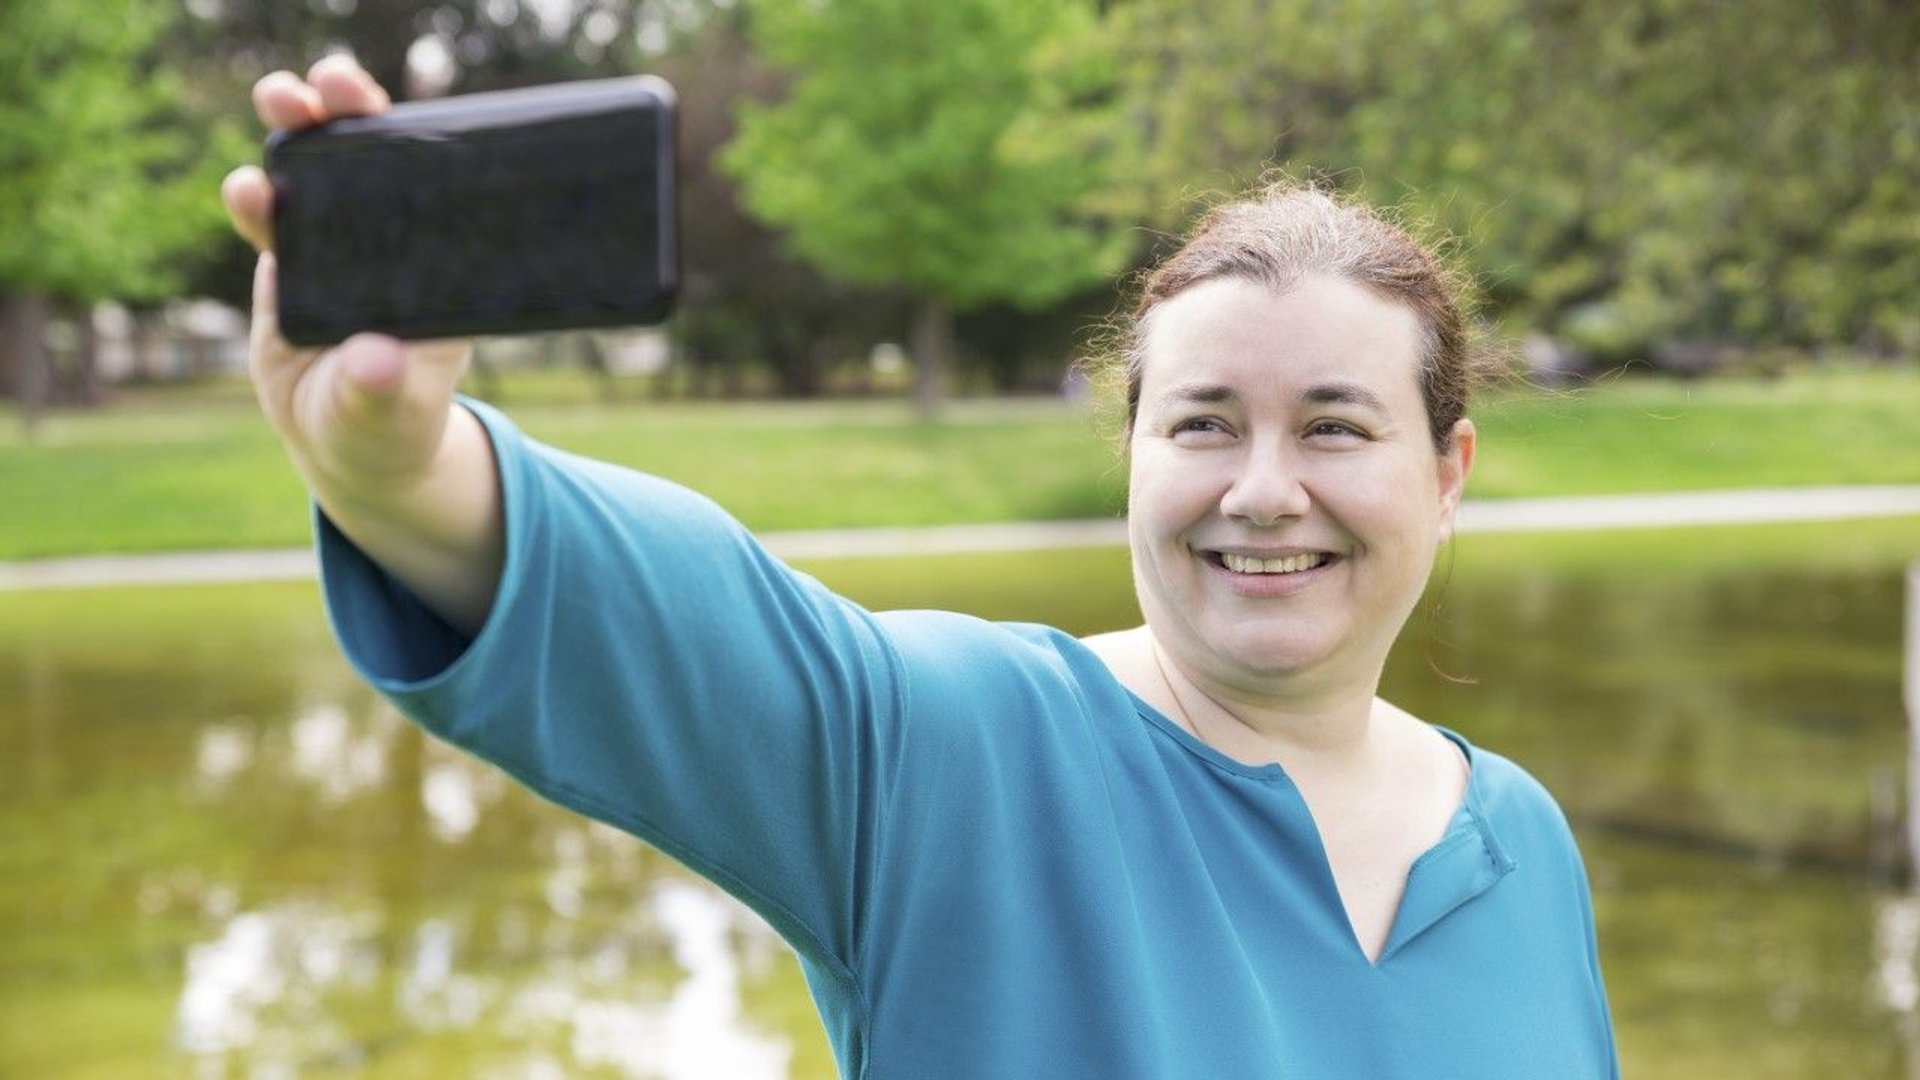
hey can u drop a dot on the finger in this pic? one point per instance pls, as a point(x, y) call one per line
point(345, 88)
point(248, 197)
point(284, 101)
point(267, 346)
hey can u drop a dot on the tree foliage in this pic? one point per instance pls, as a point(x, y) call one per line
point(743, 297)
point(1623, 173)
point(110, 177)
point(489, 44)
point(907, 150)
point(911, 150)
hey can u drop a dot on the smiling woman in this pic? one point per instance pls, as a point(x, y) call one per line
point(1297, 380)
point(1277, 426)
point(1285, 509)
point(992, 849)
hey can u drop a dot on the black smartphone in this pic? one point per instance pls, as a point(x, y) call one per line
point(548, 208)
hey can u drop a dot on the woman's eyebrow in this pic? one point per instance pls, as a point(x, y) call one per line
point(1199, 393)
point(1343, 393)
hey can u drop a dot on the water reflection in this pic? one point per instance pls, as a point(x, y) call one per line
point(285, 989)
point(338, 760)
point(258, 987)
point(433, 995)
point(1897, 945)
point(225, 750)
point(449, 792)
point(698, 1032)
point(1733, 711)
point(230, 859)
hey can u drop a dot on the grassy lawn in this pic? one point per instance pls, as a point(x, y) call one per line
point(194, 467)
point(1848, 427)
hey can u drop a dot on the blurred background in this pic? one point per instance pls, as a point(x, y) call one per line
point(1694, 230)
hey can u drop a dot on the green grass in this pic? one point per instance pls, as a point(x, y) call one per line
point(187, 468)
point(1847, 427)
point(1687, 553)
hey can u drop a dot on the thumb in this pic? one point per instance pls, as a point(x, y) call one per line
point(369, 379)
point(375, 366)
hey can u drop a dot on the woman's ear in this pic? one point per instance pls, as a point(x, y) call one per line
point(1454, 464)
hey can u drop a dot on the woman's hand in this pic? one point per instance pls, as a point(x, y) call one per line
point(371, 423)
point(365, 419)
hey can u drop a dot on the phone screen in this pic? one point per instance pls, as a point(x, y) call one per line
point(496, 213)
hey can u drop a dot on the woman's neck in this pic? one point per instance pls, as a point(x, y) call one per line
point(1324, 726)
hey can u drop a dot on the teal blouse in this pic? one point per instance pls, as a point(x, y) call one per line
point(993, 861)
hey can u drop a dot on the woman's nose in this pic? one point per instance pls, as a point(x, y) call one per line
point(1267, 490)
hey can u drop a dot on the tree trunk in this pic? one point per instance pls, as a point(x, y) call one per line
point(486, 376)
point(23, 329)
point(144, 345)
point(9, 353)
point(83, 376)
point(593, 357)
point(789, 348)
point(379, 33)
point(932, 342)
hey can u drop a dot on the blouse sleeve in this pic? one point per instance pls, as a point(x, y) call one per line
point(648, 664)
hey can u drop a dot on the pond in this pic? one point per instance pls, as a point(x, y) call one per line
point(221, 857)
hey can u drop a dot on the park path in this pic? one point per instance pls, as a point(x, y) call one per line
point(1684, 508)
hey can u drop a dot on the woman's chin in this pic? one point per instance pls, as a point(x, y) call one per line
point(1272, 655)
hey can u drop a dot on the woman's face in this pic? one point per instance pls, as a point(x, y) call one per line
point(1286, 500)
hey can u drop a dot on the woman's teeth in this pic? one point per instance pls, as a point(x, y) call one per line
point(1292, 564)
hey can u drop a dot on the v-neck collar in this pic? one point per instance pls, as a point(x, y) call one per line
point(1466, 861)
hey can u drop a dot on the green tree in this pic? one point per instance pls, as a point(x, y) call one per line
point(1629, 173)
point(742, 298)
point(914, 148)
point(106, 178)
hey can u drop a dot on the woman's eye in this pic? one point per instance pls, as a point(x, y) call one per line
point(1199, 425)
point(1323, 428)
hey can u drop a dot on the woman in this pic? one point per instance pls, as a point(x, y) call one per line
point(1199, 848)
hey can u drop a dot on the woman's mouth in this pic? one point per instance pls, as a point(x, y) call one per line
point(1288, 564)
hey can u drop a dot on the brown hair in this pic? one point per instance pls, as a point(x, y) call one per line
point(1286, 231)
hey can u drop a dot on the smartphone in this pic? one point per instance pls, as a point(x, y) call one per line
point(507, 212)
